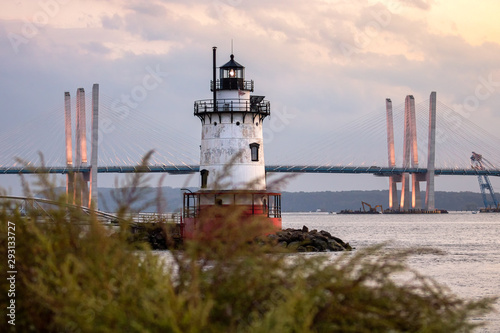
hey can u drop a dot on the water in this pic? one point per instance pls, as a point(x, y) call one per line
point(470, 267)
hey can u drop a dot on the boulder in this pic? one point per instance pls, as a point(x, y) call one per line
point(303, 240)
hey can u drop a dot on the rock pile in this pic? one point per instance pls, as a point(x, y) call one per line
point(156, 235)
point(303, 240)
point(300, 240)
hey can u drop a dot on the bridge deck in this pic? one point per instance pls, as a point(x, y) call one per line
point(186, 169)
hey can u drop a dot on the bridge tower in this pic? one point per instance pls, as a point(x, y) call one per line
point(416, 201)
point(410, 155)
point(77, 185)
point(70, 178)
point(393, 191)
point(431, 155)
point(232, 169)
point(93, 193)
point(81, 179)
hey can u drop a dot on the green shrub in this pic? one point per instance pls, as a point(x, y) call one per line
point(76, 277)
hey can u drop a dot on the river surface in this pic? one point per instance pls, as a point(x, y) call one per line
point(470, 267)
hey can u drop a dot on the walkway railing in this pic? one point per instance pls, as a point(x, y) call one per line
point(231, 105)
point(241, 84)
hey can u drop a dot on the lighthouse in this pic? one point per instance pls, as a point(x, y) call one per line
point(232, 170)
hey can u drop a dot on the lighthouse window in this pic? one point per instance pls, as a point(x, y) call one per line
point(254, 151)
point(204, 178)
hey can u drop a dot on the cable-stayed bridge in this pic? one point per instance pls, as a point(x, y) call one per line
point(187, 169)
point(357, 147)
point(352, 147)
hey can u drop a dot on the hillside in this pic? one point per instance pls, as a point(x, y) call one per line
point(171, 200)
point(336, 201)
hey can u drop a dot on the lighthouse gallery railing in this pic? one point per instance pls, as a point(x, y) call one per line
point(231, 105)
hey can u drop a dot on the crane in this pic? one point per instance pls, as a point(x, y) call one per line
point(478, 162)
point(371, 210)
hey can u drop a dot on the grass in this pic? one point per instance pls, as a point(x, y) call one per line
point(75, 277)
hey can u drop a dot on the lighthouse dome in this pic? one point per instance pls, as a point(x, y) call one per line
point(232, 76)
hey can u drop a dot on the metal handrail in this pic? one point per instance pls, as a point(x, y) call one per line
point(246, 85)
point(231, 105)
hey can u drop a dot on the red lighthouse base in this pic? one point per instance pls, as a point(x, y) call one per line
point(208, 212)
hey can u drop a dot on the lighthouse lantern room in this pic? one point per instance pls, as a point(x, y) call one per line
point(232, 169)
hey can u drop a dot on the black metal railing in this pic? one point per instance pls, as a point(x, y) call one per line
point(271, 207)
point(191, 205)
point(231, 105)
point(232, 84)
point(274, 209)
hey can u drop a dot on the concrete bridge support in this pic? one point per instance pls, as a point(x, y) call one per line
point(405, 180)
point(69, 147)
point(81, 179)
point(416, 201)
point(431, 156)
point(77, 187)
point(393, 191)
point(93, 197)
point(410, 155)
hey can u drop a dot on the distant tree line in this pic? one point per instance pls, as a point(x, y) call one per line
point(327, 201)
point(336, 201)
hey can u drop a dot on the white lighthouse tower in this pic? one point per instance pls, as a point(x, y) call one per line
point(232, 169)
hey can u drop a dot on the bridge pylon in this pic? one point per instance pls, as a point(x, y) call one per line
point(431, 155)
point(393, 191)
point(416, 201)
point(77, 184)
point(70, 177)
point(93, 193)
point(410, 197)
point(81, 190)
point(410, 155)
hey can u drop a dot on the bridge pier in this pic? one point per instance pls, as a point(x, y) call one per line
point(410, 150)
point(410, 155)
point(416, 201)
point(69, 147)
point(405, 186)
point(393, 190)
point(81, 193)
point(77, 185)
point(93, 196)
point(431, 155)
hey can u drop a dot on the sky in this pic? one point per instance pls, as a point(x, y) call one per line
point(323, 64)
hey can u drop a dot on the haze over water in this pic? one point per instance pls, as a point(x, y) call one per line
point(470, 266)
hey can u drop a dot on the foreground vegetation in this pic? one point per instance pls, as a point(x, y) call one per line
point(76, 277)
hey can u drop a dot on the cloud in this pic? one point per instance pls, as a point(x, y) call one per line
point(148, 9)
point(96, 48)
point(112, 22)
point(326, 62)
point(420, 4)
